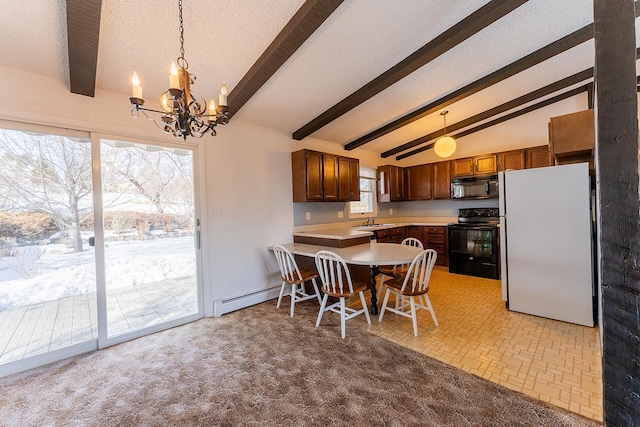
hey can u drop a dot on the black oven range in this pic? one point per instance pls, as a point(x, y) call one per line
point(473, 243)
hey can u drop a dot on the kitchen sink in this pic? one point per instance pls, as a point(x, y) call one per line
point(375, 225)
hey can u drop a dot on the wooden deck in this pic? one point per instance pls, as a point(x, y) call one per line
point(38, 328)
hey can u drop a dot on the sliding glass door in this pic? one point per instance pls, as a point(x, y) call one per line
point(150, 236)
point(98, 242)
point(47, 268)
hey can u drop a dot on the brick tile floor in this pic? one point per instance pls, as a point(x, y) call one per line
point(556, 362)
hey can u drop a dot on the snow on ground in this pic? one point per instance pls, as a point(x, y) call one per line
point(58, 273)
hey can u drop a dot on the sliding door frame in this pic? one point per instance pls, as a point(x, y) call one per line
point(200, 243)
point(103, 337)
point(74, 349)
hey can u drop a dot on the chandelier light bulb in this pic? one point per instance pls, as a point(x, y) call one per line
point(222, 98)
point(173, 77)
point(164, 102)
point(135, 82)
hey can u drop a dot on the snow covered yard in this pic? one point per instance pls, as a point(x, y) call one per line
point(35, 274)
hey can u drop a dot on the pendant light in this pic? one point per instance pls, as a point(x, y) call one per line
point(445, 146)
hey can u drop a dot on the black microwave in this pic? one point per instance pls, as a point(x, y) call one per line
point(477, 187)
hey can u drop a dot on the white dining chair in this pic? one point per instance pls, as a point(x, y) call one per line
point(401, 269)
point(411, 289)
point(294, 277)
point(336, 282)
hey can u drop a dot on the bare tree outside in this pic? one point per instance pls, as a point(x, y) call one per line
point(163, 178)
point(48, 174)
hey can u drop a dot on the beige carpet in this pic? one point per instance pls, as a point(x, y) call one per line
point(259, 367)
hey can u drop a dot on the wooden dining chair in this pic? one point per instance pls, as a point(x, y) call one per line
point(294, 277)
point(401, 269)
point(411, 289)
point(336, 282)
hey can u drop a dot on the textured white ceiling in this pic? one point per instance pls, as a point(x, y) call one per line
point(359, 41)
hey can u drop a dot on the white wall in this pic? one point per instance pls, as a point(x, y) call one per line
point(247, 175)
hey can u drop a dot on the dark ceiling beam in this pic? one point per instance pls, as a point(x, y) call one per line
point(83, 32)
point(577, 37)
point(306, 20)
point(502, 119)
point(567, 82)
point(574, 39)
point(464, 29)
point(514, 103)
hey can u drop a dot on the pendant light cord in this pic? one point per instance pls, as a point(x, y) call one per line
point(444, 117)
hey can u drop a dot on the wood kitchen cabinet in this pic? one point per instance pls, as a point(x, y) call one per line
point(538, 157)
point(317, 177)
point(391, 235)
point(437, 238)
point(349, 179)
point(415, 231)
point(419, 182)
point(432, 237)
point(391, 184)
point(330, 178)
point(442, 180)
point(462, 167)
point(511, 160)
point(572, 137)
point(472, 166)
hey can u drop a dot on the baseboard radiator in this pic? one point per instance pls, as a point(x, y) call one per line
point(223, 306)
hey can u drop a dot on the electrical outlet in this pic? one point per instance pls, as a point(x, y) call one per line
point(390, 211)
point(308, 216)
point(340, 214)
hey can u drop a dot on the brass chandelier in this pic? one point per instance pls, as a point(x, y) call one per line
point(183, 111)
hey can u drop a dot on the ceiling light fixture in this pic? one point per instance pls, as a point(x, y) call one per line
point(445, 146)
point(183, 111)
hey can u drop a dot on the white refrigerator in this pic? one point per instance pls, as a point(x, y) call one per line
point(546, 242)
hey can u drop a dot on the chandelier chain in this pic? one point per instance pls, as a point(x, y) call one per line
point(181, 30)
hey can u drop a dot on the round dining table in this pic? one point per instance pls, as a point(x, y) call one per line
point(370, 254)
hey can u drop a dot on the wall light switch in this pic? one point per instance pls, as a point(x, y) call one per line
point(308, 216)
point(340, 214)
point(216, 213)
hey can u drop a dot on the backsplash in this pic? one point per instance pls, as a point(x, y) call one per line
point(327, 212)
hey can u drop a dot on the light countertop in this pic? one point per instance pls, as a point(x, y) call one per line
point(344, 232)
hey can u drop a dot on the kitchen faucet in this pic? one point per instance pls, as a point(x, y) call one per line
point(370, 221)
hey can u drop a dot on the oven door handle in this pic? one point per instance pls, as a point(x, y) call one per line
point(475, 227)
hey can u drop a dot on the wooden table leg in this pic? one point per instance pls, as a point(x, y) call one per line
point(373, 272)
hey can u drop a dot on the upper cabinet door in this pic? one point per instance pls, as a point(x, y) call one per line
point(344, 171)
point(331, 177)
point(442, 180)
point(462, 167)
point(306, 168)
point(314, 175)
point(538, 157)
point(419, 182)
point(485, 164)
point(511, 160)
point(354, 178)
